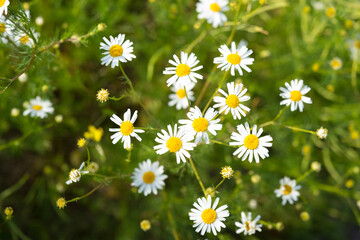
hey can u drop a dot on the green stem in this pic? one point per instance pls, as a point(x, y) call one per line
point(119, 98)
point(219, 184)
point(354, 71)
point(196, 41)
point(295, 128)
point(299, 179)
point(187, 98)
point(170, 216)
point(216, 91)
point(329, 166)
point(88, 155)
point(86, 195)
point(276, 118)
point(235, 23)
point(197, 176)
point(221, 143)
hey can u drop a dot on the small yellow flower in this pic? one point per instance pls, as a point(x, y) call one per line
point(59, 118)
point(262, 2)
point(94, 133)
point(306, 9)
point(349, 183)
point(315, 67)
point(279, 226)
point(304, 216)
point(26, 5)
point(227, 172)
point(349, 24)
point(330, 12)
point(354, 135)
point(336, 63)
point(61, 203)
point(15, 112)
point(255, 178)
point(81, 142)
point(145, 225)
point(8, 212)
point(102, 95)
point(306, 150)
point(330, 88)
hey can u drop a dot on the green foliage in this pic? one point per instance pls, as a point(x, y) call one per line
point(290, 39)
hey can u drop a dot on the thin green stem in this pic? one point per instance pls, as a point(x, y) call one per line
point(88, 155)
point(354, 70)
point(86, 195)
point(235, 23)
point(170, 216)
point(149, 128)
point(216, 91)
point(119, 98)
point(197, 176)
point(219, 184)
point(276, 118)
point(222, 143)
point(295, 128)
point(302, 177)
point(187, 98)
point(196, 41)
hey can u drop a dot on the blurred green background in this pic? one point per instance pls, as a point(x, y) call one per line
point(290, 39)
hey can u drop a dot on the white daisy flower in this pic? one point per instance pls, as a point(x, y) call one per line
point(148, 177)
point(184, 70)
point(116, 50)
point(251, 144)
point(6, 29)
point(247, 225)
point(4, 6)
point(75, 174)
point(178, 97)
point(206, 217)
point(322, 133)
point(294, 95)
point(288, 190)
point(126, 129)
point(234, 59)
point(232, 100)
point(38, 108)
point(354, 47)
point(199, 125)
point(336, 63)
point(24, 39)
point(176, 141)
point(213, 11)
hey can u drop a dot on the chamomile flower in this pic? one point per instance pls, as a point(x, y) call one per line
point(6, 29)
point(234, 59)
point(116, 50)
point(213, 11)
point(336, 63)
point(207, 217)
point(247, 225)
point(294, 95)
point(178, 97)
point(232, 100)
point(75, 174)
point(198, 125)
point(175, 141)
point(288, 190)
point(353, 45)
point(4, 6)
point(38, 108)
point(126, 129)
point(251, 144)
point(148, 177)
point(22, 39)
point(183, 70)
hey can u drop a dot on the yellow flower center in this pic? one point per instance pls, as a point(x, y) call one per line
point(233, 58)
point(116, 51)
point(2, 27)
point(200, 124)
point(208, 216)
point(215, 7)
point(74, 173)
point(247, 226)
point(148, 177)
point(330, 12)
point(251, 141)
point(37, 107)
point(232, 101)
point(126, 128)
point(24, 39)
point(181, 93)
point(356, 44)
point(287, 189)
point(182, 70)
point(295, 96)
point(336, 64)
point(174, 144)
point(2, 2)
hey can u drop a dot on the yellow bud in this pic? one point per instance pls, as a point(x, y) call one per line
point(330, 12)
point(101, 26)
point(26, 5)
point(349, 24)
point(349, 183)
point(304, 216)
point(61, 203)
point(315, 67)
point(8, 212)
point(330, 88)
point(306, 9)
point(81, 142)
point(354, 135)
point(145, 225)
